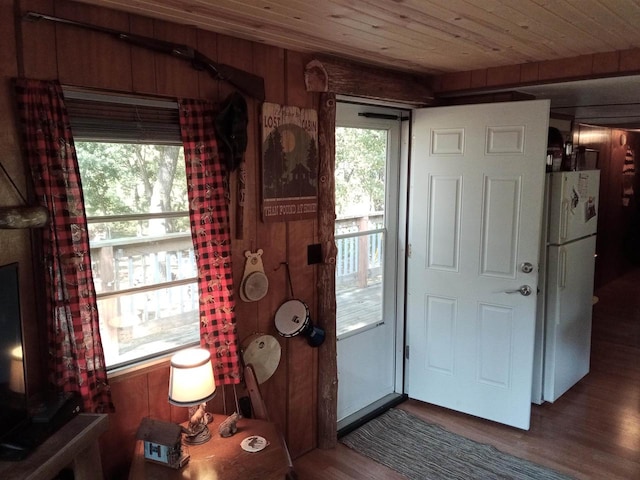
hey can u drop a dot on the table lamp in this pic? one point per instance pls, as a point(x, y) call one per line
point(191, 384)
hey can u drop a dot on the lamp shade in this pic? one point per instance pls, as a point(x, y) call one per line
point(191, 378)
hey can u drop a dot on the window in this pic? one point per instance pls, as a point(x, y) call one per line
point(361, 155)
point(366, 179)
point(133, 177)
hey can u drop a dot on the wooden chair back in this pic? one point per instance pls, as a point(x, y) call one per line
point(259, 409)
point(258, 406)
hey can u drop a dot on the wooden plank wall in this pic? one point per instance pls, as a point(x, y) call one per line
point(622, 62)
point(87, 59)
point(618, 226)
point(15, 245)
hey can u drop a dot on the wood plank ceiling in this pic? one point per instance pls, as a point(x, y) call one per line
point(426, 36)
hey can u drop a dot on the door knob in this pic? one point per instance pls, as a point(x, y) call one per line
point(524, 290)
point(526, 267)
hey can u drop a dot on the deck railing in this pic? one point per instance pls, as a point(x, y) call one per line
point(169, 257)
point(359, 240)
point(360, 246)
point(126, 263)
point(126, 270)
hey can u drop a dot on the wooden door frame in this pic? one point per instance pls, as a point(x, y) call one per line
point(331, 78)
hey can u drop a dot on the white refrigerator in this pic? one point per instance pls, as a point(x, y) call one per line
point(565, 301)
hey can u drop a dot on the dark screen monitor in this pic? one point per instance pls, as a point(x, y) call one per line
point(14, 411)
point(24, 424)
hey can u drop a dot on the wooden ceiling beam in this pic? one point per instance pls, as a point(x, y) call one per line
point(328, 74)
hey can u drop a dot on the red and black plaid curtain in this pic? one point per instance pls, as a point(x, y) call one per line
point(76, 358)
point(210, 231)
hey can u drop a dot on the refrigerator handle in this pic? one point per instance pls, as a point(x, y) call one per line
point(562, 271)
point(564, 219)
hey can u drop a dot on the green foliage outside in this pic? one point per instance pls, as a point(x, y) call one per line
point(125, 179)
point(360, 171)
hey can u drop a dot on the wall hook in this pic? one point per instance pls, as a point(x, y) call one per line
point(286, 265)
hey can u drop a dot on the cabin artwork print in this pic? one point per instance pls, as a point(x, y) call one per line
point(289, 163)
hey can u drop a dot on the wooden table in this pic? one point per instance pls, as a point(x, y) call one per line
point(75, 445)
point(223, 458)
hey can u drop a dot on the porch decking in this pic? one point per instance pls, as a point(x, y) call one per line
point(358, 307)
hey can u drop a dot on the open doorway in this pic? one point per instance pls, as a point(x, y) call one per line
point(369, 266)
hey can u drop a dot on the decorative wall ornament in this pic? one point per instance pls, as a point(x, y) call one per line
point(254, 283)
point(22, 216)
point(628, 176)
point(289, 163)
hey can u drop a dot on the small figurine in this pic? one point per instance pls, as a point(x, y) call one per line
point(199, 416)
point(197, 432)
point(229, 427)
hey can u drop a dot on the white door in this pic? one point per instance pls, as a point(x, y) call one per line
point(367, 179)
point(476, 187)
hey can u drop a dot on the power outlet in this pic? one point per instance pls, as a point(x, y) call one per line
point(314, 254)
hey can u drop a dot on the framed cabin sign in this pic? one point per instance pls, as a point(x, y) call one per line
point(289, 163)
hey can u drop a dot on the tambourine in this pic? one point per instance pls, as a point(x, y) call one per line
point(292, 318)
point(263, 353)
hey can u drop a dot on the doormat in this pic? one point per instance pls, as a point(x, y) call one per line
point(423, 451)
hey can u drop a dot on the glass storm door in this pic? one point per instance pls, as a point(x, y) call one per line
point(367, 178)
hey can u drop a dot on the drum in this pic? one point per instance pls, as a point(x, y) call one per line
point(263, 353)
point(254, 287)
point(315, 336)
point(292, 318)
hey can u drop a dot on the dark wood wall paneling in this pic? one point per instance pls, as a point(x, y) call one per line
point(43, 50)
point(270, 64)
point(618, 226)
point(622, 62)
point(632, 233)
point(599, 138)
point(81, 58)
point(302, 359)
point(15, 245)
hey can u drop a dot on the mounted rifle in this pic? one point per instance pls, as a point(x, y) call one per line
point(247, 83)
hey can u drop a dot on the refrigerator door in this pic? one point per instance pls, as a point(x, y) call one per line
point(568, 315)
point(573, 211)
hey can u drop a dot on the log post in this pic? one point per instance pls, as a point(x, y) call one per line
point(330, 77)
point(349, 78)
point(327, 354)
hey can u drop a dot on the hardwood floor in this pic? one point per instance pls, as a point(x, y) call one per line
point(591, 432)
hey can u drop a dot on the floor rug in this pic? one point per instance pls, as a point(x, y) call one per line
point(423, 451)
